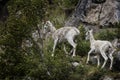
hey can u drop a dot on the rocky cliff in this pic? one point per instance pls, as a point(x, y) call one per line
point(91, 13)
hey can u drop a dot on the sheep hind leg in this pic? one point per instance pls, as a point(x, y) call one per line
point(98, 60)
point(111, 58)
point(71, 51)
point(65, 50)
point(105, 58)
point(71, 42)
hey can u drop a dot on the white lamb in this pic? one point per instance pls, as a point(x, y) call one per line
point(101, 47)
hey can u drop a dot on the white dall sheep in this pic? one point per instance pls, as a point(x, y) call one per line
point(61, 34)
point(101, 47)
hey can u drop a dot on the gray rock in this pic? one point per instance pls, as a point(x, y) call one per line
point(94, 14)
point(93, 60)
point(75, 64)
point(107, 78)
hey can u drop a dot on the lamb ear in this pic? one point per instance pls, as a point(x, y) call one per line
point(86, 29)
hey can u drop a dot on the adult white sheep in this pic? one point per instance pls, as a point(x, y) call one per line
point(61, 34)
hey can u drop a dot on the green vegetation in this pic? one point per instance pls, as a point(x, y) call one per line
point(107, 34)
point(17, 63)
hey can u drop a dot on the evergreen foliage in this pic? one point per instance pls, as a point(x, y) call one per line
point(18, 63)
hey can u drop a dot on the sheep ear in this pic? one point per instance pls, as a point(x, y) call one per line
point(92, 30)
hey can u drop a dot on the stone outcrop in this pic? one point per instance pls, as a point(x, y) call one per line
point(93, 14)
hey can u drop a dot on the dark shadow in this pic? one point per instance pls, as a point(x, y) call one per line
point(98, 1)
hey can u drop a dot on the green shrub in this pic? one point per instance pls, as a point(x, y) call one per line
point(97, 75)
point(52, 68)
point(79, 73)
point(106, 35)
point(83, 46)
point(23, 18)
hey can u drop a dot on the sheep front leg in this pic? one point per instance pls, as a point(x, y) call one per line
point(111, 58)
point(88, 58)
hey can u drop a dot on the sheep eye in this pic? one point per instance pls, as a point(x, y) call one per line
point(45, 27)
